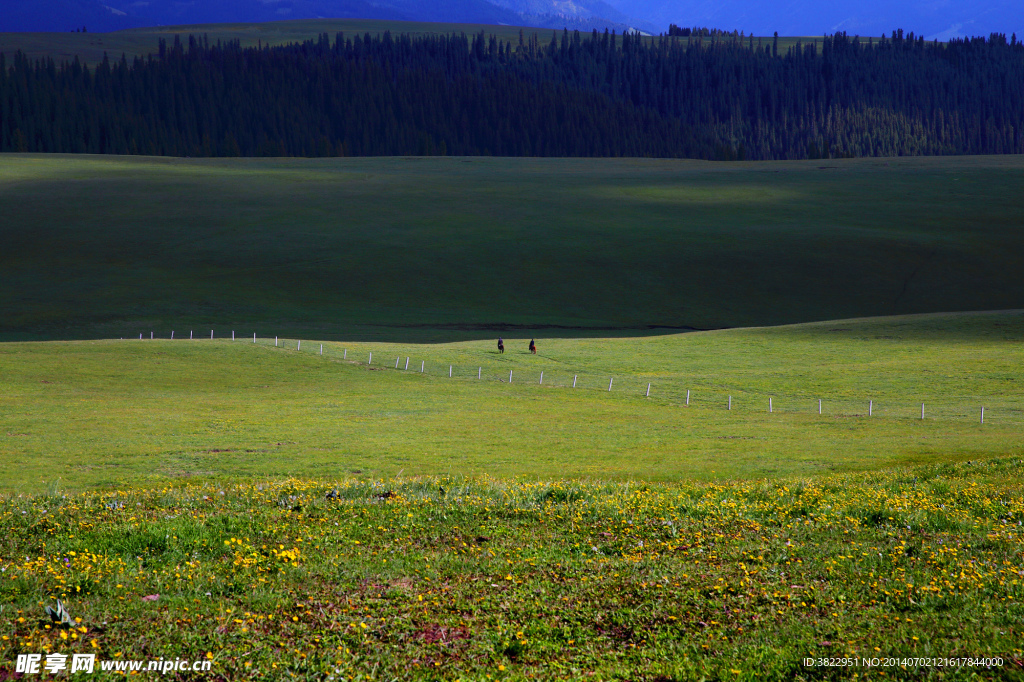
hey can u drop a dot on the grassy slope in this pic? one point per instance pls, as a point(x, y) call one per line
point(128, 412)
point(90, 47)
point(442, 248)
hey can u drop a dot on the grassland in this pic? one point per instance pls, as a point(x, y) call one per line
point(291, 515)
point(91, 47)
point(430, 249)
point(450, 578)
point(119, 413)
point(259, 488)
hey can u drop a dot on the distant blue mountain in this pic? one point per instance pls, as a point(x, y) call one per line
point(942, 19)
point(112, 15)
point(62, 15)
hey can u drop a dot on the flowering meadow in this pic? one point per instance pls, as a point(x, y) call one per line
point(487, 579)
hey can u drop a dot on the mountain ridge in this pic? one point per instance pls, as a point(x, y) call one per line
point(114, 15)
point(937, 19)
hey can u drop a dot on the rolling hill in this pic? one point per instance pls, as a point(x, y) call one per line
point(416, 248)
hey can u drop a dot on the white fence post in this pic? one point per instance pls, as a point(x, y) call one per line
point(730, 402)
point(232, 334)
point(922, 410)
point(172, 334)
point(574, 376)
point(407, 363)
point(610, 380)
point(189, 334)
point(449, 371)
point(211, 333)
point(648, 395)
point(687, 397)
point(344, 353)
point(321, 349)
point(151, 336)
point(397, 360)
point(299, 346)
point(510, 376)
point(140, 336)
point(479, 370)
point(769, 405)
point(819, 405)
point(370, 361)
point(541, 378)
point(254, 337)
point(275, 342)
point(423, 363)
point(982, 414)
point(871, 407)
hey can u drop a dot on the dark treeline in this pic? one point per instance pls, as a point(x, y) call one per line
point(704, 32)
point(722, 96)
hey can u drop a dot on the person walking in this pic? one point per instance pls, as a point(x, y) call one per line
point(533, 347)
point(501, 345)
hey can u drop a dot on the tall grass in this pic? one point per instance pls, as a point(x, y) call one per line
point(483, 578)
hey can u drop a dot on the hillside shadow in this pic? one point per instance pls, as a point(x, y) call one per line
point(951, 327)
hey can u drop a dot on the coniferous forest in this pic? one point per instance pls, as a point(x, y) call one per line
point(720, 96)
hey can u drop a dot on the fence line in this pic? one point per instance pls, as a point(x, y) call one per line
point(675, 390)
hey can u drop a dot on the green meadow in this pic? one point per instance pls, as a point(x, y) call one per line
point(439, 249)
point(90, 48)
point(130, 412)
point(897, 574)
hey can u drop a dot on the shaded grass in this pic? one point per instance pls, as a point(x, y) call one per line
point(479, 578)
point(102, 413)
point(414, 249)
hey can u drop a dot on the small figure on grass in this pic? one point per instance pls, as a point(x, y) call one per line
point(501, 345)
point(533, 347)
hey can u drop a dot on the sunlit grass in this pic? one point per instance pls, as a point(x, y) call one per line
point(107, 413)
